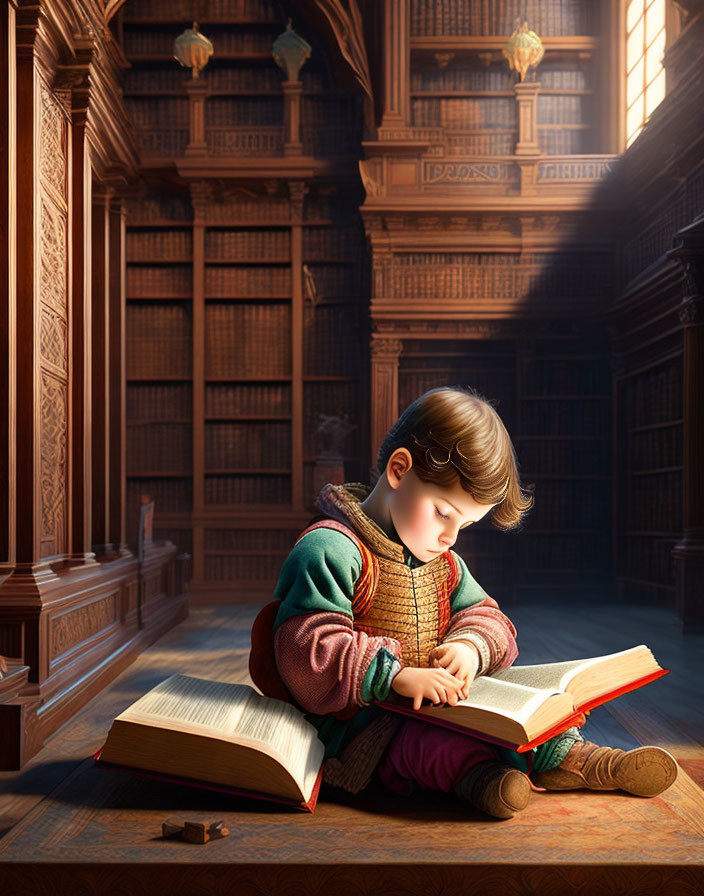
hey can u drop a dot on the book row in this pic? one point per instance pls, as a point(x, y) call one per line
point(248, 489)
point(558, 551)
point(170, 495)
point(224, 282)
point(331, 341)
point(493, 77)
point(564, 504)
point(649, 559)
point(563, 109)
point(161, 447)
point(496, 384)
point(656, 448)
point(161, 244)
point(261, 10)
point(498, 282)
point(251, 244)
point(243, 41)
point(254, 79)
point(248, 340)
point(565, 418)
point(576, 458)
point(564, 376)
point(268, 110)
point(278, 540)
point(249, 445)
point(162, 142)
point(245, 141)
point(464, 112)
point(167, 401)
point(554, 17)
point(172, 281)
point(145, 209)
point(654, 396)
point(229, 400)
point(182, 538)
point(488, 144)
point(158, 112)
point(226, 568)
point(655, 503)
point(159, 341)
point(557, 142)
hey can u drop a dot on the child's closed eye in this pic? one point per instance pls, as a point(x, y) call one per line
point(441, 515)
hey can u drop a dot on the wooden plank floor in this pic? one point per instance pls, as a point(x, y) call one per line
point(69, 827)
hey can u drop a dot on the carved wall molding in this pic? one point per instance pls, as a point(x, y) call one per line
point(54, 465)
point(73, 627)
point(385, 349)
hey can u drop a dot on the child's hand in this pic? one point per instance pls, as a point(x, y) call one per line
point(437, 685)
point(460, 659)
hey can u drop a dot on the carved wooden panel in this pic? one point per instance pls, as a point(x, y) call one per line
point(53, 333)
point(78, 625)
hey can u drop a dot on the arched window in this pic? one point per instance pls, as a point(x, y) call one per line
point(645, 75)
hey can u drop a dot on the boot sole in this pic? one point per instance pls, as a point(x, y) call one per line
point(646, 771)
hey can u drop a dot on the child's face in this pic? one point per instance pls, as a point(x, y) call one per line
point(427, 517)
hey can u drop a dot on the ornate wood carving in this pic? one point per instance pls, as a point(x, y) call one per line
point(73, 627)
point(54, 465)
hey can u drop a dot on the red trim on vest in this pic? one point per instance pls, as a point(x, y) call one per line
point(444, 594)
point(366, 584)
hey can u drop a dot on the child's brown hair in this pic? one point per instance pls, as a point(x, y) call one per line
point(452, 432)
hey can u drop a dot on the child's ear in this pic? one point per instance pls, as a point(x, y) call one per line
point(397, 466)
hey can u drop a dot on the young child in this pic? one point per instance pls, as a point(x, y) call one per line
point(373, 599)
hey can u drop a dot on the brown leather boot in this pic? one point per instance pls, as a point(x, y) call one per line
point(645, 771)
point(494, 788)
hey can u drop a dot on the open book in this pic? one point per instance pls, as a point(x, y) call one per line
point(524, 706)
point(218, 735)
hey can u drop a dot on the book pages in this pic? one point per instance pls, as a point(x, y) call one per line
point(516, 701)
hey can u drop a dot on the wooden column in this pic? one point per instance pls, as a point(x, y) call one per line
point(292, 118)
point(385, 353)
point(100, 347)
point(397, 64)
point(201, 197)
point(117, 374)
point(689, 553)
point(8, 297)
point(297, 191)
point(197, 90)
point(80, 547)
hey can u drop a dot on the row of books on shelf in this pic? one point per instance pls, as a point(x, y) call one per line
point(494, 77)
point(565, 456)
point(648, 558)
point(562, 504)
point(487, 144)
point(229, 400)
point(248, 340)
point(564, 109)
point(654, 396)
point(338, 242)
point(331, 341)
point(498, 17)
point(257, 243)
point(148, 208)
point(565, 417)
point(158, 244)
point(248, 281)
point(269, 110)
point(556, 142)
point(564, 376)
point(162, 142)
point(182, 538)
point(241, 40)
point(247, 445)
point(260, 10)
point(654, 503)
point(171, 495)
point(255, 79)
point(170, 112)
point(167, 401)
point(277, 541)
point(245, 141)
point(465, 112)
point(248, 489)
point(164, 445)
point(225, 568)
point(656, 448)
point(174, 280)
point(159, 340)
point(564, 551)
point(515, 279)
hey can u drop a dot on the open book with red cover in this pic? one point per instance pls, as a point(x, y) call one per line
point(219, 736)
point(523, 706)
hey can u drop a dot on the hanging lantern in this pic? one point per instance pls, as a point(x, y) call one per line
point(524, 50)
point(290, 51)
point(193, 49)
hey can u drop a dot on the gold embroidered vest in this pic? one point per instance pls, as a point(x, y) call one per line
point(411, 605)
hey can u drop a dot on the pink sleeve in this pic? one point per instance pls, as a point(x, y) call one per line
point(489, 630)
point(323, 660)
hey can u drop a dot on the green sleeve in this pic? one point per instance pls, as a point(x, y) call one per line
point(318, 576)
point(468, 590)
